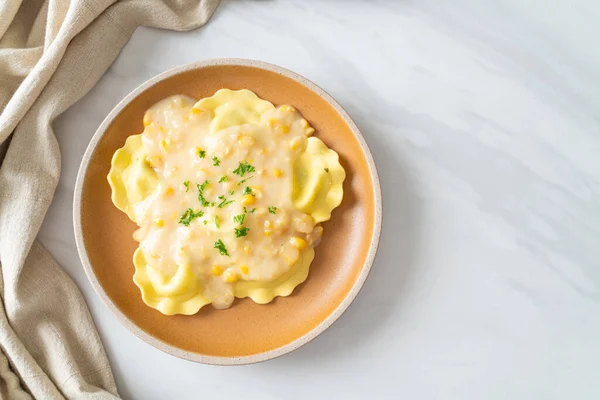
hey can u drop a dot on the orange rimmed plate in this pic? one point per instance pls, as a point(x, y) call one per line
point(246, 332)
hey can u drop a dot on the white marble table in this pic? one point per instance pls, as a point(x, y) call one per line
point(484, 120)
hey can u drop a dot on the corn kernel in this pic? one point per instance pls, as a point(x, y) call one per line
point(295, 144)
point(164, 144)
point(285, 129)
point(304, 223)
point(250, 160)
point(155, 161)
point(289, 109)
point(291, 256)
point(230, 276)
point(160, 128)
point(277, 173)
point(304, 123)
point(261, 172)
point(246, 141)
point(216, 270)
point(195, 111)
point(175, 169)
point(282, 222)
point(267, 232)
point(318, 231)
point(159, 222)
point(247, 249)
point(271, 123)
point(169, 191)
point(147, 118)
point(247, 199)
point(298, 243)
point(244, 270)
point(309, 131)
point(268, 224)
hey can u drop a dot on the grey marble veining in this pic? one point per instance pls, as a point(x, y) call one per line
point(484, 121)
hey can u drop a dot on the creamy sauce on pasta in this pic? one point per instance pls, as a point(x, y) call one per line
point(214, 196)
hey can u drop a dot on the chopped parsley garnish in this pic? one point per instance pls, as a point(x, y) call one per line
point(201, 199)
point(219, 245)
point(223, 179)
point(244, 180)
point(224, 202)
point(221, 197)
point(202, 154)
point(326, 169)
point(217, 222)
point(239, 219)
point(248, 191)
point(272, 210)
point(231, 192)
point(189, 215)
point(216, 161)
point(244, 168)
point(205, 222)
point(187, 185)
point(243, 231)
point(252, 211)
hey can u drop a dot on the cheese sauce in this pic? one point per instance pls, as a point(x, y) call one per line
point(223, 193)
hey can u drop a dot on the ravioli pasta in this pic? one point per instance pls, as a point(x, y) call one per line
point(229, 193)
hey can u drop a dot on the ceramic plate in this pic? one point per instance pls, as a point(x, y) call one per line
point(246, 332)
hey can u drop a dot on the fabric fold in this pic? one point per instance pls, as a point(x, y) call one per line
point(52, 53)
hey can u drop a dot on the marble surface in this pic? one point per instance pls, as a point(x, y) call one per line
point(484, 121)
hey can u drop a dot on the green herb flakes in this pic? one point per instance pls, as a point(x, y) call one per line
point(189, 215)
point(244, 168)
point(239, 219)
point(219, 245)
point(243, 231)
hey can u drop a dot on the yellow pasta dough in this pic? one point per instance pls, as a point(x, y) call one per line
point(228, 193)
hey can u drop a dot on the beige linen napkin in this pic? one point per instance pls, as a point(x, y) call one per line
point(51, 53)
